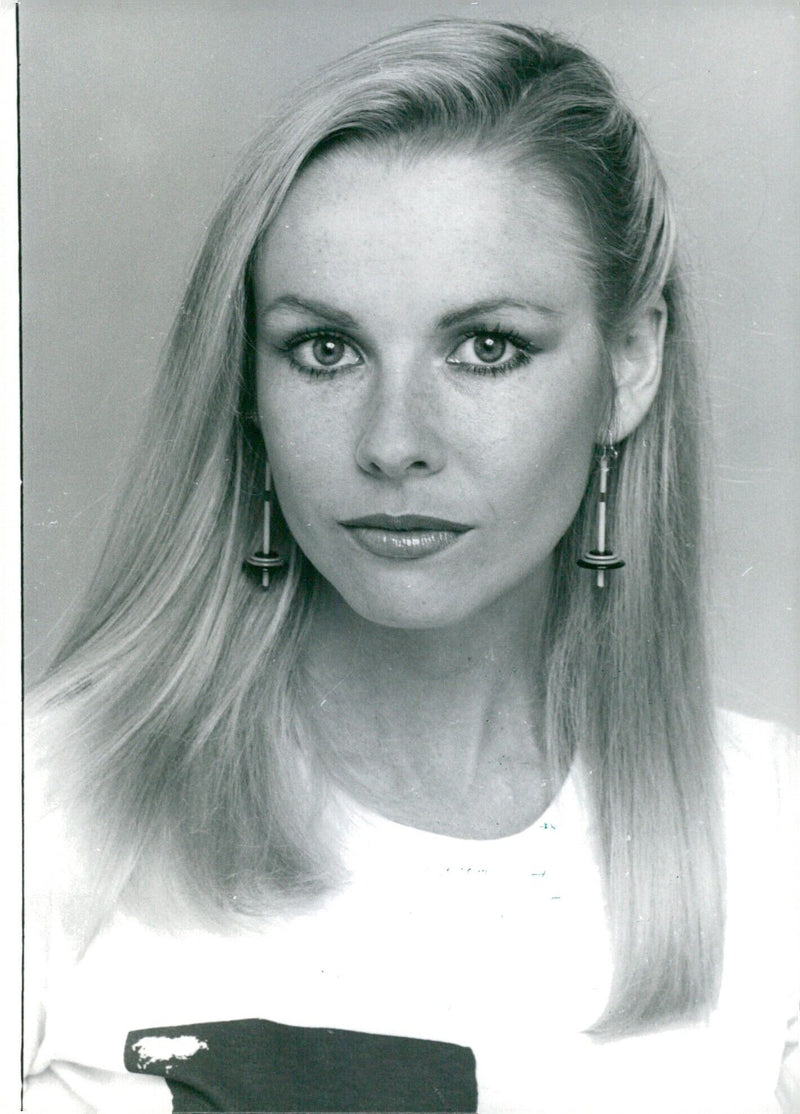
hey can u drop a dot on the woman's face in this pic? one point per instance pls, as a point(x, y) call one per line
point(430, 380)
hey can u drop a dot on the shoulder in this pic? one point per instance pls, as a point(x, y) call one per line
point(761, 814)
point(46, 830)
point(761, 778)
point(761, 763)
point(50, 872)
point(741, 734)
point(45, 833)
point(57, 882)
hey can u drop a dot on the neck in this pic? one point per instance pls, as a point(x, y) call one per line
point(440, 729)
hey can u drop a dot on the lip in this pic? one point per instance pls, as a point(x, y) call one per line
point(406, 537)
point(403, 522)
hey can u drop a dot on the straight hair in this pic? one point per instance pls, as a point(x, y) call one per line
point(181, 748)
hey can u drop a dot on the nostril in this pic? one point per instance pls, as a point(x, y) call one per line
point(393, 444)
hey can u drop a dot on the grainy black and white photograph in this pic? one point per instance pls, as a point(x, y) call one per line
point(410, 399)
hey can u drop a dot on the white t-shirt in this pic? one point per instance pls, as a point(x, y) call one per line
point(449, 974)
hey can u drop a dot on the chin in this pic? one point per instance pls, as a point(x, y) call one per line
point(400, 606)
point(415, 598)
point(407, 614)
point(404, 608)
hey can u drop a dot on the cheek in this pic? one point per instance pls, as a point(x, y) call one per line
point(542, 460)
point(302, 449)
point(545, 498)
point(571, 454)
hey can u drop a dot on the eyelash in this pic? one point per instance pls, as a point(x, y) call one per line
point(288, 347)
point(522, 357)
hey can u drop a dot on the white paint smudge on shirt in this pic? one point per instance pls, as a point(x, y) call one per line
point(151, 1050)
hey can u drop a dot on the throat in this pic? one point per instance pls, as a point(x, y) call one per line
point(439, 730)
point(495, 805)
point(471, 768)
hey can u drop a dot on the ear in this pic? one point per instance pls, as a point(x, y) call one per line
point(636, 362)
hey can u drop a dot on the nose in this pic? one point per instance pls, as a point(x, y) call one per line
point(401, 434)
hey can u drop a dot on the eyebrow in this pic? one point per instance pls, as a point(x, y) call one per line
point(310, 305)
point(447, 321)
point(491, 306)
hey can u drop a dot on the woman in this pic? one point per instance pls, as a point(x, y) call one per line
point(441, 820)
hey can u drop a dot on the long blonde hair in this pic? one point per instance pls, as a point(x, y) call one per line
point(185, 693)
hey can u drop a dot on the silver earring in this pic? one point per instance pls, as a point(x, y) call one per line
point(601, 559)
point(265, 558)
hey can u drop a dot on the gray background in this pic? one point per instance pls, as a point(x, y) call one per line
point(132, 114)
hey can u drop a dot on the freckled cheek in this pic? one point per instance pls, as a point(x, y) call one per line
point(545, 497)
point(305, 457)
point(541, 482)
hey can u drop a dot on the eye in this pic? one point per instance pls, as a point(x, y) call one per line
point(322, 353)
point(491, 352)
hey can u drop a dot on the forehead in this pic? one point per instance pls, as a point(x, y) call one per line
point(457, 224)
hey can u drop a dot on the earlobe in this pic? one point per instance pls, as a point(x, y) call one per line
point(637, 361)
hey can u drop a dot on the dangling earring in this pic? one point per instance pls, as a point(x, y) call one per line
point(265, 558)
point(601, 559)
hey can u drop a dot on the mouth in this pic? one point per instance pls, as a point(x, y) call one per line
point(404, 537)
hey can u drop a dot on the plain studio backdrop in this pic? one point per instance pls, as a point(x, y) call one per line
point(132, 117)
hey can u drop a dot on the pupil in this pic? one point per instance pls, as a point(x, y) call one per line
point(328, 350)
point(489, 348)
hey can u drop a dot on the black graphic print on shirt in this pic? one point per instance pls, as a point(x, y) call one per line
point(251, 1065)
